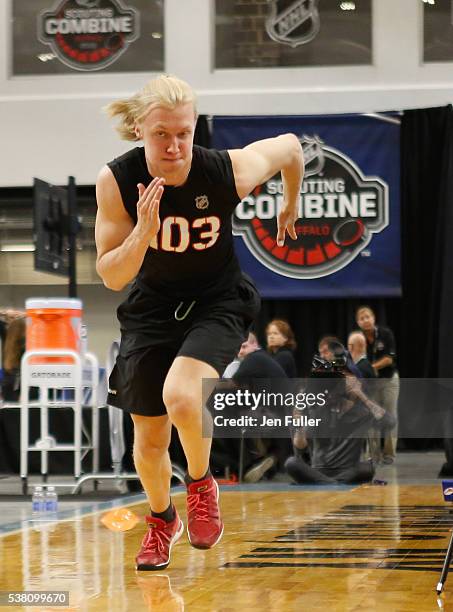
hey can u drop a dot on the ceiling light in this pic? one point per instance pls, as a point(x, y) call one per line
point(17, 248)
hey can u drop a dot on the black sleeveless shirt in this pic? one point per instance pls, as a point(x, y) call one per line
point(193, 254)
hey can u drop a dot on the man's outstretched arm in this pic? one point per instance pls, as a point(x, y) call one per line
point(259, 161)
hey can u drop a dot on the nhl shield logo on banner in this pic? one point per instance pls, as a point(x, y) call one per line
point(313, 155)
point(293, 22)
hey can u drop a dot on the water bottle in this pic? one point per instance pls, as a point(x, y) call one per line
point(51, 501)
point(38, 502)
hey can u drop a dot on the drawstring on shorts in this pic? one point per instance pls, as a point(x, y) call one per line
point(179, 317)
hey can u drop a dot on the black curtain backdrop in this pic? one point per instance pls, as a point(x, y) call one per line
point(424, 336)
point(444, 351)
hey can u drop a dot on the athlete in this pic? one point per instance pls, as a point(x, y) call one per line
point(164, 222)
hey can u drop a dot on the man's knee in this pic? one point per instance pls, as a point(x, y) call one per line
point(362, 472)
point(182, 404)
point(293, 468)
point(388, 422)
point(149, 450)
point(150, 442)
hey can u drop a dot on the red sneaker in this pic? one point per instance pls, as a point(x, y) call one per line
point(204, 525)
point(157, 543)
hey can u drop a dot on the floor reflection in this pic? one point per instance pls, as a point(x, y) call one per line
point(363, 548)
point(158, 593)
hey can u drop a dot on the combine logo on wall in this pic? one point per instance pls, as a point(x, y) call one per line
point(88, 34)
point(293, 22)
point(339, 212)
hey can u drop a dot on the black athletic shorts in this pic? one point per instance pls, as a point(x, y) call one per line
point(152, 337)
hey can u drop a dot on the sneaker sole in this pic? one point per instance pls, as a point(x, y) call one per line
point(197, 546)
point(155, 568)
point(256, 473)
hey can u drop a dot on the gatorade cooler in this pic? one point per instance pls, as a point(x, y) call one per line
point(53, 324)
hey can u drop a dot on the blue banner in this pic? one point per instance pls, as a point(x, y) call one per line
point(348, 230)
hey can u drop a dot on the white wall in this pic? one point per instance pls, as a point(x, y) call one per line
point(52, 126)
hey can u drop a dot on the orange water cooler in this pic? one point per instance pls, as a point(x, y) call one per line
point(66, 376)
point(53, 324)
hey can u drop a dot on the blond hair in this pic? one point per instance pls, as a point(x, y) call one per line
point(166, 91)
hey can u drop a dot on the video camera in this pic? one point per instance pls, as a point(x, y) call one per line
point(334, 368)
point(329, 376)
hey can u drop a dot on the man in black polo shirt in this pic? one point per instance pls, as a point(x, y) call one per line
point(381, 352)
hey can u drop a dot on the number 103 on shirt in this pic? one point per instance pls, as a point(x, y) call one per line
point(175, 234)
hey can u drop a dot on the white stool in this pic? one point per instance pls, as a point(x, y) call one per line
point(81, 378)
point(117, 441)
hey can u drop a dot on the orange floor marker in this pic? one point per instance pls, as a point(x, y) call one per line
point(120, 519)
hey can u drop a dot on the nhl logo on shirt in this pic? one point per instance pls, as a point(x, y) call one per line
point(88, 34)
point(202, 202)
point(340, 211)
point(293, 22)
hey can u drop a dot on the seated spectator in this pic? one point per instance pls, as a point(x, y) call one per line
point(348, 413)
point(260, 455)
point(7, 315)
point(14, 348)
point(249, 346)
point(281, 345)
point(232, 368)
point(255, 363)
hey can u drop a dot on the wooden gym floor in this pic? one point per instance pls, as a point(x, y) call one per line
point(284, 548)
